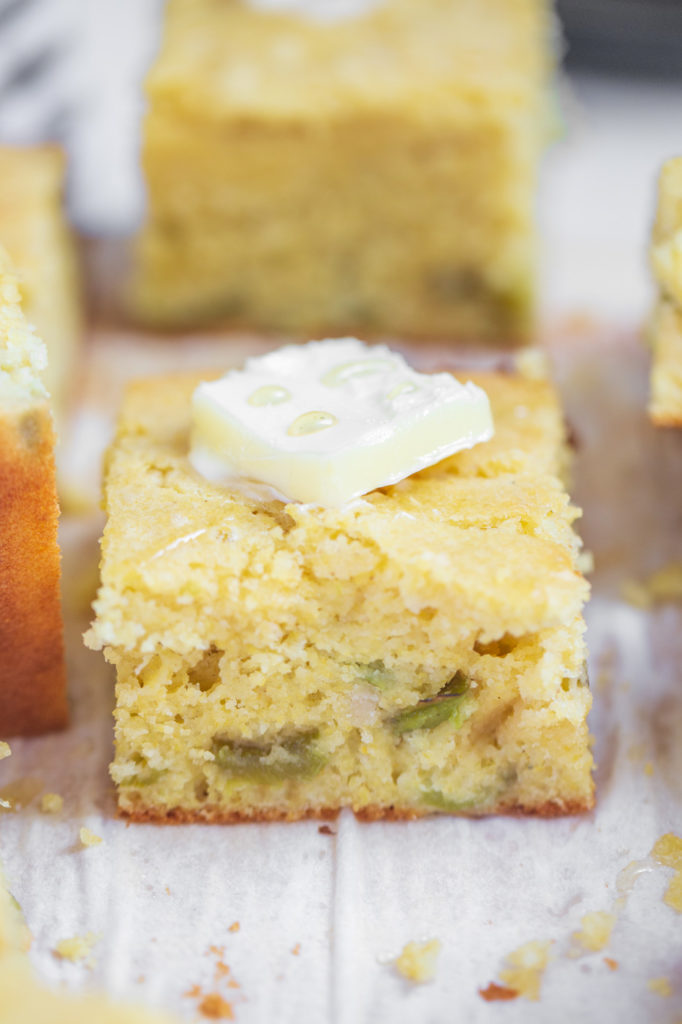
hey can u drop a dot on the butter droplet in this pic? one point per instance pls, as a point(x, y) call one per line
point(358, 368)
point(270, 394)
point(311, 422)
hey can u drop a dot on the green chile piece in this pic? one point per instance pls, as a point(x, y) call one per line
point(376, 673)
point(144, 778)
point(432, 711)
point(437, 801)
point(294, 756)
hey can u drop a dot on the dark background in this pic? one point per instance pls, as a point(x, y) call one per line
point(641, 37)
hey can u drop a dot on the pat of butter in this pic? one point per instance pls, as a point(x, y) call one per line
point(331, 420)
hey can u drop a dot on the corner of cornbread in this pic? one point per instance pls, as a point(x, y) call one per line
point(32, 673)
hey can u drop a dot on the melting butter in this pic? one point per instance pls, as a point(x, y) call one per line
point(329, 421)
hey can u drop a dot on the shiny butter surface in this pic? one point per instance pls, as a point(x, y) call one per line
point(331, 420)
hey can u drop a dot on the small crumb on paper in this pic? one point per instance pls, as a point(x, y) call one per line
point(88, 837)
point(668, 851)
point(661, 986)
point(215, 1007)
point(5, 749)
point(611, 963)
point(595, 933)
point(497, 993)
point(234, 927)
point(663, 585)
point(78, 949)
point(297, 949)
point(526, 967)
point(417, 962)
point(51, 803)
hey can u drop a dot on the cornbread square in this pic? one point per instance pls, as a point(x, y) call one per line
point(373, 174)
point(34, 231)
point(417, 650)
point(32, 672)
point(665, 406)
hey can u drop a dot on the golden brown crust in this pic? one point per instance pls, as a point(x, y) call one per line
point(32, 673)
point(373, 812)
point(669, 420)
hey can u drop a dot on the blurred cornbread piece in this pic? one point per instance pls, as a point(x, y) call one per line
point(665, 406)
point(418, 650)
point(35, 233)
point(24, 1001)
point(374, 174)
point(32, 671)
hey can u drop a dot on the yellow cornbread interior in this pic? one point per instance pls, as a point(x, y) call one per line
point(666, 327)
point(375, 173)
point(34, 232)
point(22, 353)
point(417, 650)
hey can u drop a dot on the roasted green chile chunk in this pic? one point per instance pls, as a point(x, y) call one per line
point(428, 713)
point(294, 756)
point(376, 673)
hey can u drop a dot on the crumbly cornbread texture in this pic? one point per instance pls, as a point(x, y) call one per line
point(32, 671)
point(418, 650)
point(665, 406)
point(372, 174)
point(35, 233)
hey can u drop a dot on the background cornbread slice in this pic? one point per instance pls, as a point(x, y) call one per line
point(32, 671)
point(665, 405)
point(372, 174)
point(417, 650)
point(35, 233)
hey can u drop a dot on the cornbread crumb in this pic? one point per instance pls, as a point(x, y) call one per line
point(494, 993)
point(649, 768)
point(668, 852)
point(297, 949)
point(51, 803)
point(611, 963)
point(78, 949)
point(661, 986)
point(5, 749)
point(417, 962)
point(215, 1007)
point(532, 363)
point(594, 934)
point(663, 585)
point(89, 838)
point(526, 967)
point(234, 927)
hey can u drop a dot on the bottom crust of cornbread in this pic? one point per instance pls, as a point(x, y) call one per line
point(218, 816)
point(419, 651)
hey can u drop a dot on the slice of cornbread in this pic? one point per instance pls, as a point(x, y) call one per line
point(417, 650)
point(326, 177)
point(32, 672)
point(34, 232)
point(665, 406)
point(24, 1001)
